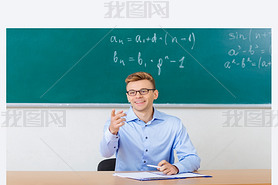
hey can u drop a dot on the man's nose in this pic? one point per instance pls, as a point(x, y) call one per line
point(138, 94)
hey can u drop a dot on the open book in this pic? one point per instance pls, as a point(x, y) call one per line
point(145, 176)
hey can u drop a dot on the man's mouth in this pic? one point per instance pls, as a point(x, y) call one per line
point(139, 102)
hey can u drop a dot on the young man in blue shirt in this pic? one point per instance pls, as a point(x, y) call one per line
point(144, 135)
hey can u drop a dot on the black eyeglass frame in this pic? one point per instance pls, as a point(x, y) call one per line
point(127, 92)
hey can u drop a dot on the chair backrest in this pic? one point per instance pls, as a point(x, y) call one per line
point(107, 165)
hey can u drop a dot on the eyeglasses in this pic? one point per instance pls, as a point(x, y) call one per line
point(141, 91)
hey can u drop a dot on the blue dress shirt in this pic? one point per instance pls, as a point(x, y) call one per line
point(138, 143)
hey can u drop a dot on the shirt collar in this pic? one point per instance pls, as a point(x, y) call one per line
point(130, 115)
point(157, 115)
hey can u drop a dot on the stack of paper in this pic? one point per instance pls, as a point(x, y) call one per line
point(145, 176)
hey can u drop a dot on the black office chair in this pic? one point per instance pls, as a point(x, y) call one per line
point(107, 165)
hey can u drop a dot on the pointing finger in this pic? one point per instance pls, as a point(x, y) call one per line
point(113, 113)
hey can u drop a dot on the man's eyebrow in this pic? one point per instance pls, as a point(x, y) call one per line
point(137, 90)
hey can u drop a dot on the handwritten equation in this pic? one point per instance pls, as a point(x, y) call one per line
point(166, 39)
point(141, 61)
point(156, 40)
point(235, 49)
point(249, 50)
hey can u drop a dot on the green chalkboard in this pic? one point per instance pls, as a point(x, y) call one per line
point(190, 66)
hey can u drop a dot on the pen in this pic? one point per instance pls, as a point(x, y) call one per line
point(154, 166)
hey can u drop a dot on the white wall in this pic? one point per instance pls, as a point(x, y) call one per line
point(76, 146)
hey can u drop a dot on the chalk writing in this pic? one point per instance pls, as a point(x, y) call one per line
point(242, 49)
point(249, 50)
point(155, 39)
point(144, 61)
point(165, 39)
point(243, 62)
point(249, 36)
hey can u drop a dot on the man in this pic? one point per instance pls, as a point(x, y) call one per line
point(144, 136)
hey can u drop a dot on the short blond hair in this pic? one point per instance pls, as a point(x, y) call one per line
point(140, 76)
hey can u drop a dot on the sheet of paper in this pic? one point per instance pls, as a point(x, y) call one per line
point(157, 175)
point(138, 175)
point(187, 175)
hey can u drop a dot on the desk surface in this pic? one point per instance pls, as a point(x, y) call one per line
point(239, 177)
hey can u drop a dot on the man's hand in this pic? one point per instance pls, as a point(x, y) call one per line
point(116, 121)
point(167, 168)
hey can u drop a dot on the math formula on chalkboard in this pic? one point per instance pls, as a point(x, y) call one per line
point(155, 40)
point(242, 49)
point(249, 50)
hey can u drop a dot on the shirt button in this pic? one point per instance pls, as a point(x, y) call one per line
point(146, 137)
point(144, 161)
point(146, 150)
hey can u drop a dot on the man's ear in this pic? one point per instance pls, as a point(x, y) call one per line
point(155, 94)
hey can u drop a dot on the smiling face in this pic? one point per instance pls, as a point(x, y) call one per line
point(142, 103)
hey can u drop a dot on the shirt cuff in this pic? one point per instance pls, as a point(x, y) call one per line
point(179, 166)
point(191, 164)
point(111, 137)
